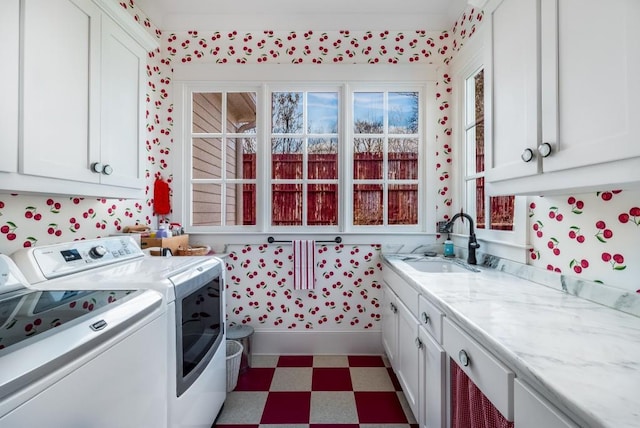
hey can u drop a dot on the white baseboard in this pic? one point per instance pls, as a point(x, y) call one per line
point(317, 343)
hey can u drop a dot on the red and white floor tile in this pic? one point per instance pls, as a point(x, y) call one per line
point(317, 392)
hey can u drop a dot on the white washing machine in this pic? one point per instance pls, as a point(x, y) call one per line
point(79, 358)
point(193, 295)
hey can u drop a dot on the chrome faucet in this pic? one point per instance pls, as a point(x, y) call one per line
point(473, 243)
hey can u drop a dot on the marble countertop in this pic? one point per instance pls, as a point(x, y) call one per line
point(584, 357)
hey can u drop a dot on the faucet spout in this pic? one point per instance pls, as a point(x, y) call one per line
point(473, 243)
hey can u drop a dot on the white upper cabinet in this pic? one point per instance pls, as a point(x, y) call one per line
point(590, 81)
point(9, 69)
point(562, 91)
point(511, 89)
point(122, 107)
point(61, 91)
point(81, 69)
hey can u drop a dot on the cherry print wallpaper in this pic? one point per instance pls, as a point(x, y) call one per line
point(347, 293)
point(591, 236)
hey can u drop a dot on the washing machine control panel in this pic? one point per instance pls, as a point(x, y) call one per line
point(53, 261)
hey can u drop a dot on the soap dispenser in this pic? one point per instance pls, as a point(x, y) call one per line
point(448, 247)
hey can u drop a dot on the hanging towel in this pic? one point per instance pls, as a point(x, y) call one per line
point(304, 264)
point(161, 198)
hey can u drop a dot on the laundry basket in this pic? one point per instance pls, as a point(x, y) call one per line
point(234, 355)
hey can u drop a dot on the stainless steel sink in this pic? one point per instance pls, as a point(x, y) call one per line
point(440, 266)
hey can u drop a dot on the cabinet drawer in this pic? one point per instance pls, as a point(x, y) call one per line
point(533, 411)
point(430, 318)
point(493, 378)
point(405, 292)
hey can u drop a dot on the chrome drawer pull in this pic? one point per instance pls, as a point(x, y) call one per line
point(425, 318)
point(464, 358)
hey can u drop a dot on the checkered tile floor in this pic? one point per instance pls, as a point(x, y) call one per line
point(317, 392)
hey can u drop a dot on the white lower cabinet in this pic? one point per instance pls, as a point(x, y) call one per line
point(533, 411)
point(408, 358)
point(415, 354)
point(431, 380)
point(390, 324)
point(489, 384)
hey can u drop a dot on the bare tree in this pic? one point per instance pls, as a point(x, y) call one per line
point(286, 118)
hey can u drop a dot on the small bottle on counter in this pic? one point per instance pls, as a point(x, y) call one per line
point(448, 247)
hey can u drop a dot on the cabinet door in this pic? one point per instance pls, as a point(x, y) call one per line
point(431, 376)
point(122, 107)
point(590, 63)
point(407, 366)
point(9, 79)
point(533, 411)
point(60, 54)
point(390, 324)
point(511, 95)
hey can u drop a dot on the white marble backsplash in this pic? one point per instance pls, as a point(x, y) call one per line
point(612, 297)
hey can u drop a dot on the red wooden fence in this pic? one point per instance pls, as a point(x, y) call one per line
point(322, 199)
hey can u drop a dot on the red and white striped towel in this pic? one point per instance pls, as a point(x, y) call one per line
point(304, 264)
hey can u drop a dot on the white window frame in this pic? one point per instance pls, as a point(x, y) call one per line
point(304, 88)
point(385, 181)
point(506, 244)
point(348, 78)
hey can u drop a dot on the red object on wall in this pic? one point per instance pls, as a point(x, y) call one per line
point(161, 198)
point(470, 408)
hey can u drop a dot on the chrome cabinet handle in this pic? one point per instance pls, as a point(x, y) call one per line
point(418, 343)
point(107, 169)
point(464, 358)
point(527, 155)
point(425, 318)
point(97, 167)
point(545, 149)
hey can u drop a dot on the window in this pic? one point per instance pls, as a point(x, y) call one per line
point(499, 210)
point(385, 158)
point(304, 157)
point(223, 158)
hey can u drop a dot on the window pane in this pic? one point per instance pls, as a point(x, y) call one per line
point(403, 204)
point(207, 112)
point(322, 205)
point(368, 112)
point(241, 204)
point(241, 112)
point(367, 158)
point(286, 112)
point(403, 159)
point(241, 158)
point(480, 217)
point(207, 204)
point(472, 154)
point(479, 96)
point(286, 158)
point(207, 158)
point(479, 143)
point(322, 110)
point(286, 205)
point(323, 158)
point(502, 208)
point(403, 112)
point(367, 204)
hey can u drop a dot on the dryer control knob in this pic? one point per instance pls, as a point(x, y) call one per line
point(97, 252)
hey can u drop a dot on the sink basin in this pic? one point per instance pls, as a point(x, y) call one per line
point(438, 266)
